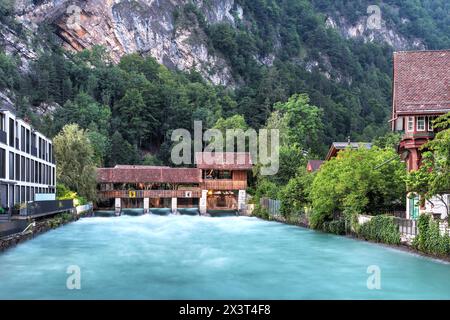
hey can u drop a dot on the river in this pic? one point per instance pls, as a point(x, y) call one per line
point(191, 257)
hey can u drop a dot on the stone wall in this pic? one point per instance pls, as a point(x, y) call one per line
point(40, 227)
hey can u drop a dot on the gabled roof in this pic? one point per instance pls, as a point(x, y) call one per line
point(148, 174)
point(337, 146)
point(223, 160)
point(421, 82)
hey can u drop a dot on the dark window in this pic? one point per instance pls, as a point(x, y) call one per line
point(2, 163)
point(11, 196)
point(22, 194)
point(22, 138)
point(28, 194)
point(17, 177)
point(28, 170)
point(40, 148)
point(11, 165)
point(28, 141)
point(17, 194)
point(53, 176)
point(11, 132)
point(36, 172)
point(22, 168)
point(2, 121)
point(32, 171)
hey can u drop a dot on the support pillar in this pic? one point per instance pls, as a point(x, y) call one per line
point(174, 205)
point(146, 205)
point(118, 207)
point(242, 201)
point(203, 202)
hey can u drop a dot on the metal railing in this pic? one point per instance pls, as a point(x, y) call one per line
point(41, 208)
point(153, 194)
point(406, 226)
point(272, 206)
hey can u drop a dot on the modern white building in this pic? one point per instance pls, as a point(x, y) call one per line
point(27, 164)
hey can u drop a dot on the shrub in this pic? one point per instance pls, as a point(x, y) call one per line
point(261, 212)
point(381, 229)
point(335, 227)
point(429, 240)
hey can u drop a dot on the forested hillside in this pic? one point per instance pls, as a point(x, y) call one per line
point(275, 49)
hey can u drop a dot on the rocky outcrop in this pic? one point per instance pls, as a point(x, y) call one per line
point(147, 26)
point(361, 29)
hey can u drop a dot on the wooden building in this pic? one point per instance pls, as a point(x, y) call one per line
point(421, 92)
point(218, 182)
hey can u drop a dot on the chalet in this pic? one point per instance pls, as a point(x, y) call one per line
point(218, 182)
point(338, 146)
point(421, 92)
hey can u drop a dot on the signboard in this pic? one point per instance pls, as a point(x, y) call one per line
point(132, 194)
point(188, 194)
point(44, 197)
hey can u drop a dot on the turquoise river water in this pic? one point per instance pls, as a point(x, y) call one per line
point(188, 257)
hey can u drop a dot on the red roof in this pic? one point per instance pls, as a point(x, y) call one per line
point(224, 160)
point(148, 174)
point(421, 82)
point(314, 165)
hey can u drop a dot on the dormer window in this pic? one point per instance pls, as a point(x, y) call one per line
point(420, 123)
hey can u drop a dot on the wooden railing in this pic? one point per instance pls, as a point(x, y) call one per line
point(140, 194)
point(224, 185)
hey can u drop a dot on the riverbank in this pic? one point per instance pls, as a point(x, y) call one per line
point(37, 227)
point(402, 247)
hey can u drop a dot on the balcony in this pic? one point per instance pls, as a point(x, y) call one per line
point(3, 137)
point(419, 135)
point(221, 185)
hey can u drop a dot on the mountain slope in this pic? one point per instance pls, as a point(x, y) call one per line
point(263, 51)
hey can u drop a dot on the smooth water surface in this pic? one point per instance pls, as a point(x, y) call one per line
point(187, 257)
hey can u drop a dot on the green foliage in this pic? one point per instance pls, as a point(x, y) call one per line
point(260, 212)
point(429, 240)
point(295, 195)
point(303, 122)
point(354, 183)
point(122, 152)
point(380, 229)
point(336, 227)
point(389, 140)
point(151, 160)
point(266, 189)
point(76, 164)
point(8, 72)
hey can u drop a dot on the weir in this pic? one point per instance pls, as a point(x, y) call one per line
point(215, 185)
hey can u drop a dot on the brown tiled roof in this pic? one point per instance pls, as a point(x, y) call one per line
point(421, 82)
point(146, 174)
point(224, 160)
